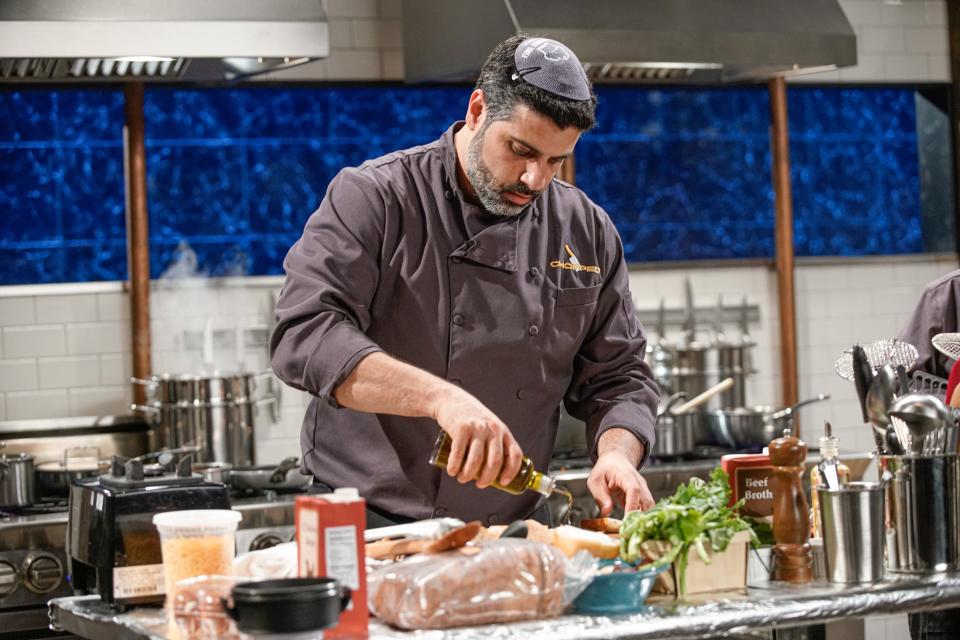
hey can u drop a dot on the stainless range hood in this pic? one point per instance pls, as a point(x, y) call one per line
point(678, 41)
point(181, 40)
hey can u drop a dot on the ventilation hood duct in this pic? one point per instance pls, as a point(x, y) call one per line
point(663, 41)
point(156, 40)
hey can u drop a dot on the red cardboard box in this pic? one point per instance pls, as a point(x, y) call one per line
point(330, 543)
point(750, 479)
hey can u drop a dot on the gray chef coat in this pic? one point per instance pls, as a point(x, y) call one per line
point(938, 311)
point(396, 259)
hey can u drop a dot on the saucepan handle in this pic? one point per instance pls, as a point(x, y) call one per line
point(345, 595)
point(229, 608)
point(146, 408)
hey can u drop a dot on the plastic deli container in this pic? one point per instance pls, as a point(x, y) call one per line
point(197, 542)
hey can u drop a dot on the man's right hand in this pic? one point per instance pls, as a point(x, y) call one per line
point(483, 448)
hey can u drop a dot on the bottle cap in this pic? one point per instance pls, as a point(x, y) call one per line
point(829, 447)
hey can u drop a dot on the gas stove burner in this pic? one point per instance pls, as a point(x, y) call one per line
point(134, 474)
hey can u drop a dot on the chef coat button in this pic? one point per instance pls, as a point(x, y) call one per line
point(534, 272)
point(458, 319)
point(448, 194)
point(456, 381)
point(521, 394)
point(533, 330)
point(439, 512)
point(492, 520)
point(498, 264)
point(456, 259)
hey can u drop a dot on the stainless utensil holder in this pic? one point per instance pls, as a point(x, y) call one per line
point(853, 531)
point(922, 512)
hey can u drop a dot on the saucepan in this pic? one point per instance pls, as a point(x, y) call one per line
point(54, 477)
point(282, 477)
point(17, 487)
point(753, 426)
point(674, 433)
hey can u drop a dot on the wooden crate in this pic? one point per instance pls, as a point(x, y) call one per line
point(727, 571)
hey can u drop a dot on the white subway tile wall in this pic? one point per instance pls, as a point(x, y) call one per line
point(896, 41)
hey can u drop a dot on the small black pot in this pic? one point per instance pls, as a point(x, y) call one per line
point(289, 605)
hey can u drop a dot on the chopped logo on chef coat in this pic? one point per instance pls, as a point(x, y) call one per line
point(573, 264)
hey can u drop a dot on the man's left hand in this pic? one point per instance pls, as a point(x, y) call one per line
point(615, 478)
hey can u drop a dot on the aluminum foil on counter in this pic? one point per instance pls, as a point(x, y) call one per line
point(728, 616)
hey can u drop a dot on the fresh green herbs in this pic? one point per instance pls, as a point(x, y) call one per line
point(695, 515)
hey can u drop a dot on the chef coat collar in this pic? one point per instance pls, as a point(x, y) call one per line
point(496, 245)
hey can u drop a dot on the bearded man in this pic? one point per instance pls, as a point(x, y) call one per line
point(459, 285)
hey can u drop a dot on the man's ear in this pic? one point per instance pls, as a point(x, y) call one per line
point(476, 109)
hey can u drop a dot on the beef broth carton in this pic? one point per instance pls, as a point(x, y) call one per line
point(751, 478)
point(330, 544)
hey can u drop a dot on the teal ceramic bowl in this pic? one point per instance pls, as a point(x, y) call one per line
point(622, 591)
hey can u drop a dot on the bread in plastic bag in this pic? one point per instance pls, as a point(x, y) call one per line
point(495, 582)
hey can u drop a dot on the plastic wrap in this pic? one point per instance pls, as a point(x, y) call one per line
point(198, 608)
point(494, 582)
point(279, 561)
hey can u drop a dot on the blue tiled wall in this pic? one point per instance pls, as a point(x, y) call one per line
point(238, 171)
point(61, 186)
point(855, 172)
point(685, 173)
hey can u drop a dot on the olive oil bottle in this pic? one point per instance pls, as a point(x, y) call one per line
point(526, 478)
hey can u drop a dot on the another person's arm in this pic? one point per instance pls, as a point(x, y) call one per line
point(926, 321)
point(320, 344)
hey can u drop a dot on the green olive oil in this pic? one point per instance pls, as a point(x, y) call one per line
point(526, 478)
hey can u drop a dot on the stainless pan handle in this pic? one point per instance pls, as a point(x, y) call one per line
point(274, 403)
point(146, 408)
point(264, 375)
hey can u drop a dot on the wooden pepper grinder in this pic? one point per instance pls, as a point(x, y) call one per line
point(791, 529)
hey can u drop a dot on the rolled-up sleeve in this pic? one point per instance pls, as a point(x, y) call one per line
point(332, 271)
point(612, 385)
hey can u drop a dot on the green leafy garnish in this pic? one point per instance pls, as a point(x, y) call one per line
point(696, 514)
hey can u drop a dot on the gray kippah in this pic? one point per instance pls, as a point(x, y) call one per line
point(550, 65)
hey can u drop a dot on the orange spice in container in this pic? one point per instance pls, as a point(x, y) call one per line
point(196, 542)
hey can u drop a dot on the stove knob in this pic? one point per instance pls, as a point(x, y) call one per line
point(265, 541)
point(8, 579)
point(42, 572)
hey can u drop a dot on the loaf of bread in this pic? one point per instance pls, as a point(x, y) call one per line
point(494, 582)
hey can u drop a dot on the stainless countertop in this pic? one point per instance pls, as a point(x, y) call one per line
point(771, 605)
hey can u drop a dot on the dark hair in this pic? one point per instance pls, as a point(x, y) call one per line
point(502, 93)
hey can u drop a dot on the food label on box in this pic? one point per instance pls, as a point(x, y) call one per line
point(340, 544)
point(753, 485)
point(138, 581)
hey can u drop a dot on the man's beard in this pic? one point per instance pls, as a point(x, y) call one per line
point(489, 193)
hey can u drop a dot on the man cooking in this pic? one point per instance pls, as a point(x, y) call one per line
point(458, 284)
